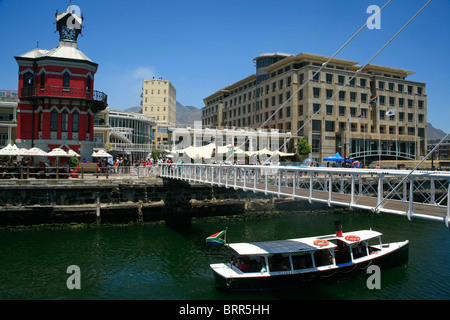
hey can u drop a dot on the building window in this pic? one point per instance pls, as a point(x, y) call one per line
point(42, 80)
point(41, 119)
point(316, 125)
point(316, 92)
point(54, 121)
point(362, 83)
point(391, 101)
point(316, 107)
point(391, 87)
point(419, 91)
point(329, 110)
point(88, 84)
point(66, 80)
point(329, 126)
point(64, 121)
point(75, 119)
point(28, 79)
point(363, 97)
point(420, 104)
point(88, 123)
point(329, 93)
point(316, 76)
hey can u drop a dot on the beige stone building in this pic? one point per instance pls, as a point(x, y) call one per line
point(332, 116)
point(159, 100)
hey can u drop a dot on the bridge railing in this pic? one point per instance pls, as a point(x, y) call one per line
point(424, 194)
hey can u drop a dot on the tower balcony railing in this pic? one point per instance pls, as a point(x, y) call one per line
point(63, 92)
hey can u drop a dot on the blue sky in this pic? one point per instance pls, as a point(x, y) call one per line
point(202, 46)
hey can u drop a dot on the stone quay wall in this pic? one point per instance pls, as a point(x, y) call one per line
point(29, 202)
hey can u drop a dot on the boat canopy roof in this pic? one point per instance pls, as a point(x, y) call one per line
point(296, 245)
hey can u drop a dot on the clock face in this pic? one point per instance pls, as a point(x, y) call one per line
point(68, 33)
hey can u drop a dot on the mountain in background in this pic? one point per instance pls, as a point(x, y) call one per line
point(188, 114)
point(185, 114)
point(434, 133)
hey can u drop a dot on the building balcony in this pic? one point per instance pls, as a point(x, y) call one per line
point(98, 99)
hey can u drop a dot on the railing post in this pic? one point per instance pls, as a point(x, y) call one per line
point(411, 198)
point(380, 189)
point(266, 180)
point(311, 175)
point(245, 180)
point(279, 182)
point(255, 178)
point(330, 188)
point(433, 191)
point(294, 182)
point(352, 196)
point(447, 220)
point(226, 177)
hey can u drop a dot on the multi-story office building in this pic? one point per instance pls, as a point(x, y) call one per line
point(332, 115)
point(159, 100)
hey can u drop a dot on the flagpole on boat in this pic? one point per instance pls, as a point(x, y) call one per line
point(226, 237)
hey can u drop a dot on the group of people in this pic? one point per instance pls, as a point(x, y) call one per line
point(246, 265)
point(149, 163)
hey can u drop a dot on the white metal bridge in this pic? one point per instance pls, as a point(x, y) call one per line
point(422, 194)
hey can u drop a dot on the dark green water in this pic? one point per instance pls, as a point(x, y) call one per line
point(153, 261)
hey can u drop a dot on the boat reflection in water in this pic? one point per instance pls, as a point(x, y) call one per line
point(294, 262)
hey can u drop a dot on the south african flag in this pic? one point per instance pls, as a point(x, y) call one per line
point(216, 239)
point(373, 100)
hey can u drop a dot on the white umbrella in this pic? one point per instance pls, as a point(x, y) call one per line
point(9, 150)
point(33, 152)
point(101, 154)
point(57, 152)
point(73, 153)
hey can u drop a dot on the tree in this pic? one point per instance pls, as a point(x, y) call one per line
point(303, 149)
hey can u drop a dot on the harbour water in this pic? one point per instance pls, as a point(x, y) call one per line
point(154, 262)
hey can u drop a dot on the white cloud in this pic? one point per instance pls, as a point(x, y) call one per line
point(142, 73)
point(124, 88)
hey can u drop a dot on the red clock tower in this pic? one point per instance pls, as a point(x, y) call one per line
point(56, 90)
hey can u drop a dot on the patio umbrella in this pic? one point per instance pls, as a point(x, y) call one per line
point(9, 150)
point(101, 154)
point(57, 152)
point(33, 152)
point(73, 153)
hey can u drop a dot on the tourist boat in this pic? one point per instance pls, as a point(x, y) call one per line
point(295, 262)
